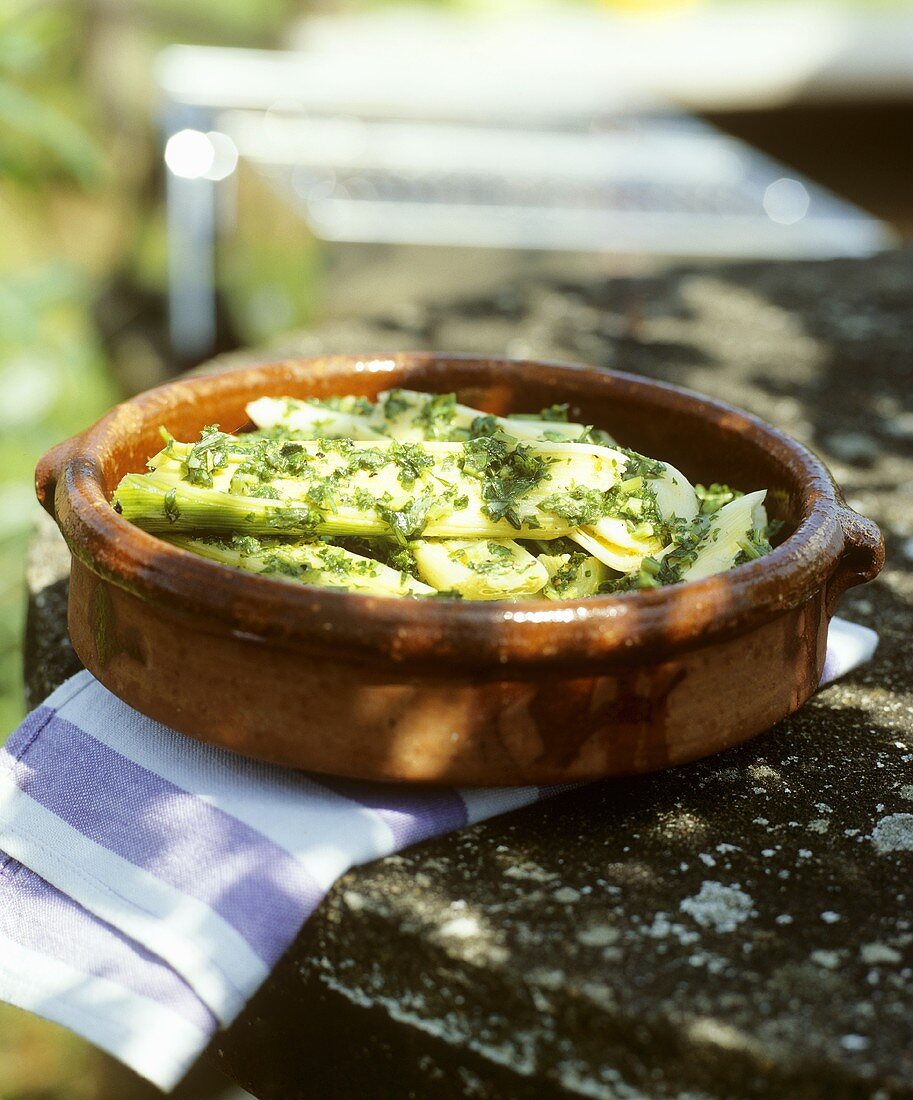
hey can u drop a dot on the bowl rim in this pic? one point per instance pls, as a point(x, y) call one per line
point(621, 628)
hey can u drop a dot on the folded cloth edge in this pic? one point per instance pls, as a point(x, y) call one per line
point(152, 1040)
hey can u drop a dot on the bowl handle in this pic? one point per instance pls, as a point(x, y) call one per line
point(49, 471)
point(862, 557)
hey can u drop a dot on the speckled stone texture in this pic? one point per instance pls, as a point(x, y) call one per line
point(737, 928)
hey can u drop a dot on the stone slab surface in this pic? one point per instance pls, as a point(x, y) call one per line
point(740, 927)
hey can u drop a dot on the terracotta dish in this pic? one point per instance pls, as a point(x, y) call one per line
point(449, 691)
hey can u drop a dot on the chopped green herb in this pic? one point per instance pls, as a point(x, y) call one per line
point(641, 466)
point(412, 461)
point(408, 521)
point(436, 416)
point(713, 497)
point(395, 403)
point(579, 506)
point(484, 425)
point(752, 546)
point(170, 507)
point(507, 470)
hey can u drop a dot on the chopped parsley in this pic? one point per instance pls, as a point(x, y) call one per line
point(353, 406)
point(687, 539)
point(436, 415)
point(206, 457)
point(754, 545)
point(395, 403)
point(170, 506)
point(713, 497)
point(579, 507)
point(640, 466)
point(408, 521)
point(300, 516)
point(595, 436)
point(371, 460)
point(499, 551)
point(556, 414)
point(482, 426)
point(412, 461)
point(507, 471)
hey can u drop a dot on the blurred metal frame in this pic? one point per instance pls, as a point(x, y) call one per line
point(373, 162)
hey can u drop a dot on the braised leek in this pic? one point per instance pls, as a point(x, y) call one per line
point(418, 495)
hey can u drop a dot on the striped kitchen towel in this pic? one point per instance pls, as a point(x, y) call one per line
point(148, 882)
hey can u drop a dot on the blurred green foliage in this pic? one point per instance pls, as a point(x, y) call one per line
point(52, 375)
point(80, 207)
point(41, 138)
point(53, 379)
point(42, 1062)
point(79, 204)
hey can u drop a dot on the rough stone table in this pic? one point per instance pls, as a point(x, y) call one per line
point(737, 928)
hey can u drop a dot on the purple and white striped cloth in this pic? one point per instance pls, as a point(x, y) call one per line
point(148, 883)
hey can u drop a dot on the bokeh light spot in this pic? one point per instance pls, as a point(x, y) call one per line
point(786, 201)
point(190, 154)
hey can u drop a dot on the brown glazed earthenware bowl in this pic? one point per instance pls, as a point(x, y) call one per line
point(534, 692)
